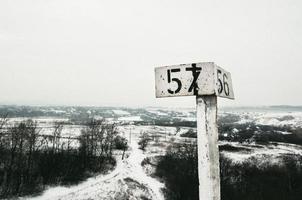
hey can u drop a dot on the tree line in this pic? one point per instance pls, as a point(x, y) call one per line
point(29, 161)
point(251, 179)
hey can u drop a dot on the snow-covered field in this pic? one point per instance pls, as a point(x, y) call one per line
point(276, 119)
point(129, 180)
point(126, 181)
point(272, 153)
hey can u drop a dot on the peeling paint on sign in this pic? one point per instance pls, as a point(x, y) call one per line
point(204, 78)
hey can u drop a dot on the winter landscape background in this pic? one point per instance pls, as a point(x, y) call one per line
point(103, 53)
point(146, 153)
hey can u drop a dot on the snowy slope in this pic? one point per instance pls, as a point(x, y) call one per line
point(126, 181)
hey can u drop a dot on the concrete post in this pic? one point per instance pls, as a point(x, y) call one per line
point(208, 153)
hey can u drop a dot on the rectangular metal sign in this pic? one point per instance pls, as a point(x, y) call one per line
point(204, 78)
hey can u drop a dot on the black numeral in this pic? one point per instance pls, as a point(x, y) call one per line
point(226, 85)
point(195, 72)
point(179, 85)
point(223, 84)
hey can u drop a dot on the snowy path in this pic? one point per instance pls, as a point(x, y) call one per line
point(126, 181)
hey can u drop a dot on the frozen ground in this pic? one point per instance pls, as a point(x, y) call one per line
point(272, 153)
point(293, 119)
point(129, 181)
point(120, 112)
point(126, 181)
point(130, 119)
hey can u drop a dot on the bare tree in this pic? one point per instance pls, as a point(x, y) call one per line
point(144, 141)
point(56, 135)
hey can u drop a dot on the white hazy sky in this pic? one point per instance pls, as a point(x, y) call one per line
point(71, 52)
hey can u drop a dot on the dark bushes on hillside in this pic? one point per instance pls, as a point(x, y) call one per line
point(251, 132)
point(178, 169)
point(144, 141)
point(248, 180)
point(190, 134)
point(29, 161)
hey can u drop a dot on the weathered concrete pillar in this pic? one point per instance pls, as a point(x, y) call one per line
point(208, 153)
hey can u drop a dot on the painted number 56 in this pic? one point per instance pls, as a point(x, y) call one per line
point(223, 83)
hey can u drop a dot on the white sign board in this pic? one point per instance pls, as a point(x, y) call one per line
point(204, 78)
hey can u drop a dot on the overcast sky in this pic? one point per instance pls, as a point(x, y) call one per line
point(70, 52)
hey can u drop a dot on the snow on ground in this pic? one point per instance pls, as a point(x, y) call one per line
point(271, 152)
point(293, 119)
point(129, 181)
point(130, 119)
point(40, 120)
point(120, 112)
point(280, 119)
point(67, 131)
point(126, 181)
point(157, 112)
